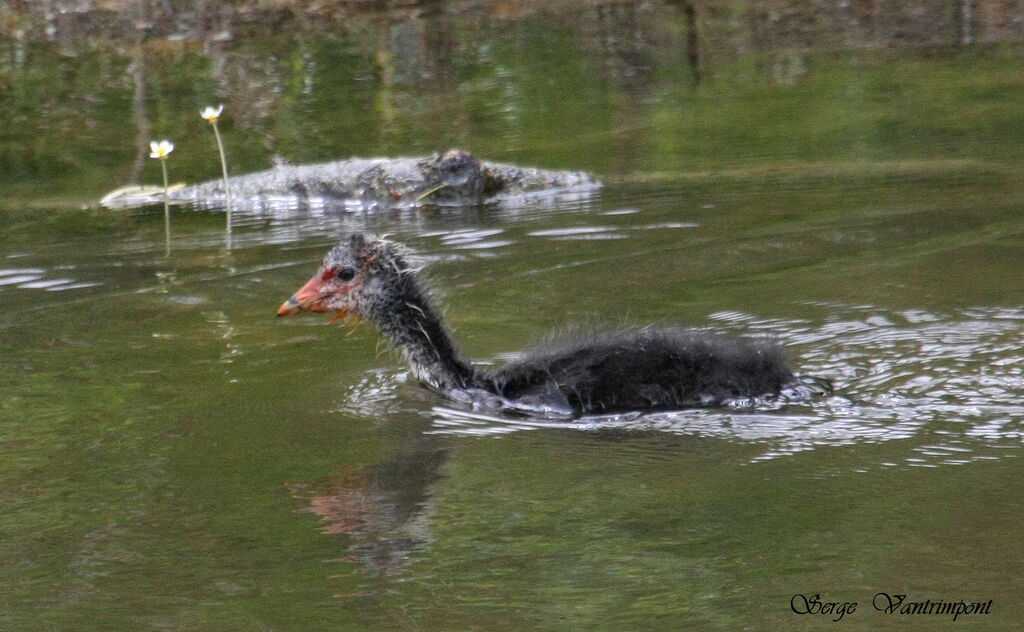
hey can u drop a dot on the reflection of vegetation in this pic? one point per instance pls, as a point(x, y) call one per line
point(418, 85)
point(866, 107)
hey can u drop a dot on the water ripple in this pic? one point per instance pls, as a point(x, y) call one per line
point(946, 385)
point(35, 279)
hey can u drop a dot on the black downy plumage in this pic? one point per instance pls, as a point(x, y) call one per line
point(633, 370)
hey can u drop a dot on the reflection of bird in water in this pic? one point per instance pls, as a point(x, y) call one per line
point(649, 369)
point(385, 509)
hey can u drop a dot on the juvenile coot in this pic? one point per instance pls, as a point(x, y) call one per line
point(641, 370)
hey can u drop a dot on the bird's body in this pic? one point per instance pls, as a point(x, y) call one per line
point(645, 369)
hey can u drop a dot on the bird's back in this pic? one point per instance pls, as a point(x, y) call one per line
point(648, 369)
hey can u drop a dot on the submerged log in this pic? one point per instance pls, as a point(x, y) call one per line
point(452, 178)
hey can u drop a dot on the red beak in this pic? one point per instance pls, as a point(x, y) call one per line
point(309, 298)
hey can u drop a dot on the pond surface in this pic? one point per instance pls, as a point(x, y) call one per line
point(176, 458)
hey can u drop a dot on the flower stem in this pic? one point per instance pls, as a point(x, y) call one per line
point(167, 211)
point(224, 169)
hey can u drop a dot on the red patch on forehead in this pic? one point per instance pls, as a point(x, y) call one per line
point(327, 274)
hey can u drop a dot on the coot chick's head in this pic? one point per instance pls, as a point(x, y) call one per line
point(368, 279)
point(362, 278)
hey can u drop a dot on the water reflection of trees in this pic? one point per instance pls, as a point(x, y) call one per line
point(723, 24)
point(404, 76)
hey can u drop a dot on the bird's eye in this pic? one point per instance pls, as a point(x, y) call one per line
point(346, 274)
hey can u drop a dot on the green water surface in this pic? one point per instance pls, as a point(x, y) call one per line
point(173, 457)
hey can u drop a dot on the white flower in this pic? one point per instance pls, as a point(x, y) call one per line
point(160, 150)
point(211, 114)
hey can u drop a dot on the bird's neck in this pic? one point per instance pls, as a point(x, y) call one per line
point(414, 327)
